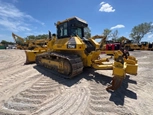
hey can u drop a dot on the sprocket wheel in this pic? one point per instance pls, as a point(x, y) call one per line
point(67, 67)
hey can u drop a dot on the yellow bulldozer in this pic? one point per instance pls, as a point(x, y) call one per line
point(144, 45)
point(129, 44)
point(30, 44)
point(69, 52)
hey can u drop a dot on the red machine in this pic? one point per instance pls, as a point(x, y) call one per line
point(114, 46)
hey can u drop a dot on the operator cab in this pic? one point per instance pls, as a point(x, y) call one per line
point(72, 27)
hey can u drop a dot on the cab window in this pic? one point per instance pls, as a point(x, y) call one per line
point(63, 30)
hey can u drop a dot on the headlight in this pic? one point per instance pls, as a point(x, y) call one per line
point(71, 46)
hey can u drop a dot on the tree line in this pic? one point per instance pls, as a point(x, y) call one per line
point(32, 37)
point(4, 42)
point(137, 33)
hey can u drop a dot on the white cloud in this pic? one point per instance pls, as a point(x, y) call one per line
point(102, 3)
point(150, 36)
point(117, 26)
point(105, 7)
point(13, 19)
point(149, 33)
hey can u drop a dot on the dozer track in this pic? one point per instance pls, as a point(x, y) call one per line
point(61, 64)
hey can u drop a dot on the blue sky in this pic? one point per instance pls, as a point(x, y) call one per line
point(34, 17)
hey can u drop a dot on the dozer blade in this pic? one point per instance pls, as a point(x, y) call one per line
point(31, 55)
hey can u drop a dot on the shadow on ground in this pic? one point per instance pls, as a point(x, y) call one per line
point(90, 74)
point(118, 96)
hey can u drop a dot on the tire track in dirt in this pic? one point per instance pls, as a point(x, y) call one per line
point(29, 100)
point(98, 103)
point(12, 60)
point(15, 60)
point(72, 101)
point(33, 93)
point(21, 83)
point(39, 92)
point(101, 103)
point(15, 77)
point(144, 66)
point(144, 82)
point(4, 54)
point(14, 70)
point(7, 66)
point(14, 90)
point(144, 85)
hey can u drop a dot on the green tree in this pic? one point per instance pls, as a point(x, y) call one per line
point(31, 37)
point(87, 33)
point(107, 33)
point(4, 42)
point(114, 35)
point(139, 31)
point(43, 36)
point(11, 43)
point(120, 39)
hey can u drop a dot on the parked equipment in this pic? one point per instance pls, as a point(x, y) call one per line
point(69, 52)
point(109, 47)
point(29, 44)
point(146, 46)
point(129, 44)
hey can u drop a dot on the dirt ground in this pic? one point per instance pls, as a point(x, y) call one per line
point(32, 90)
